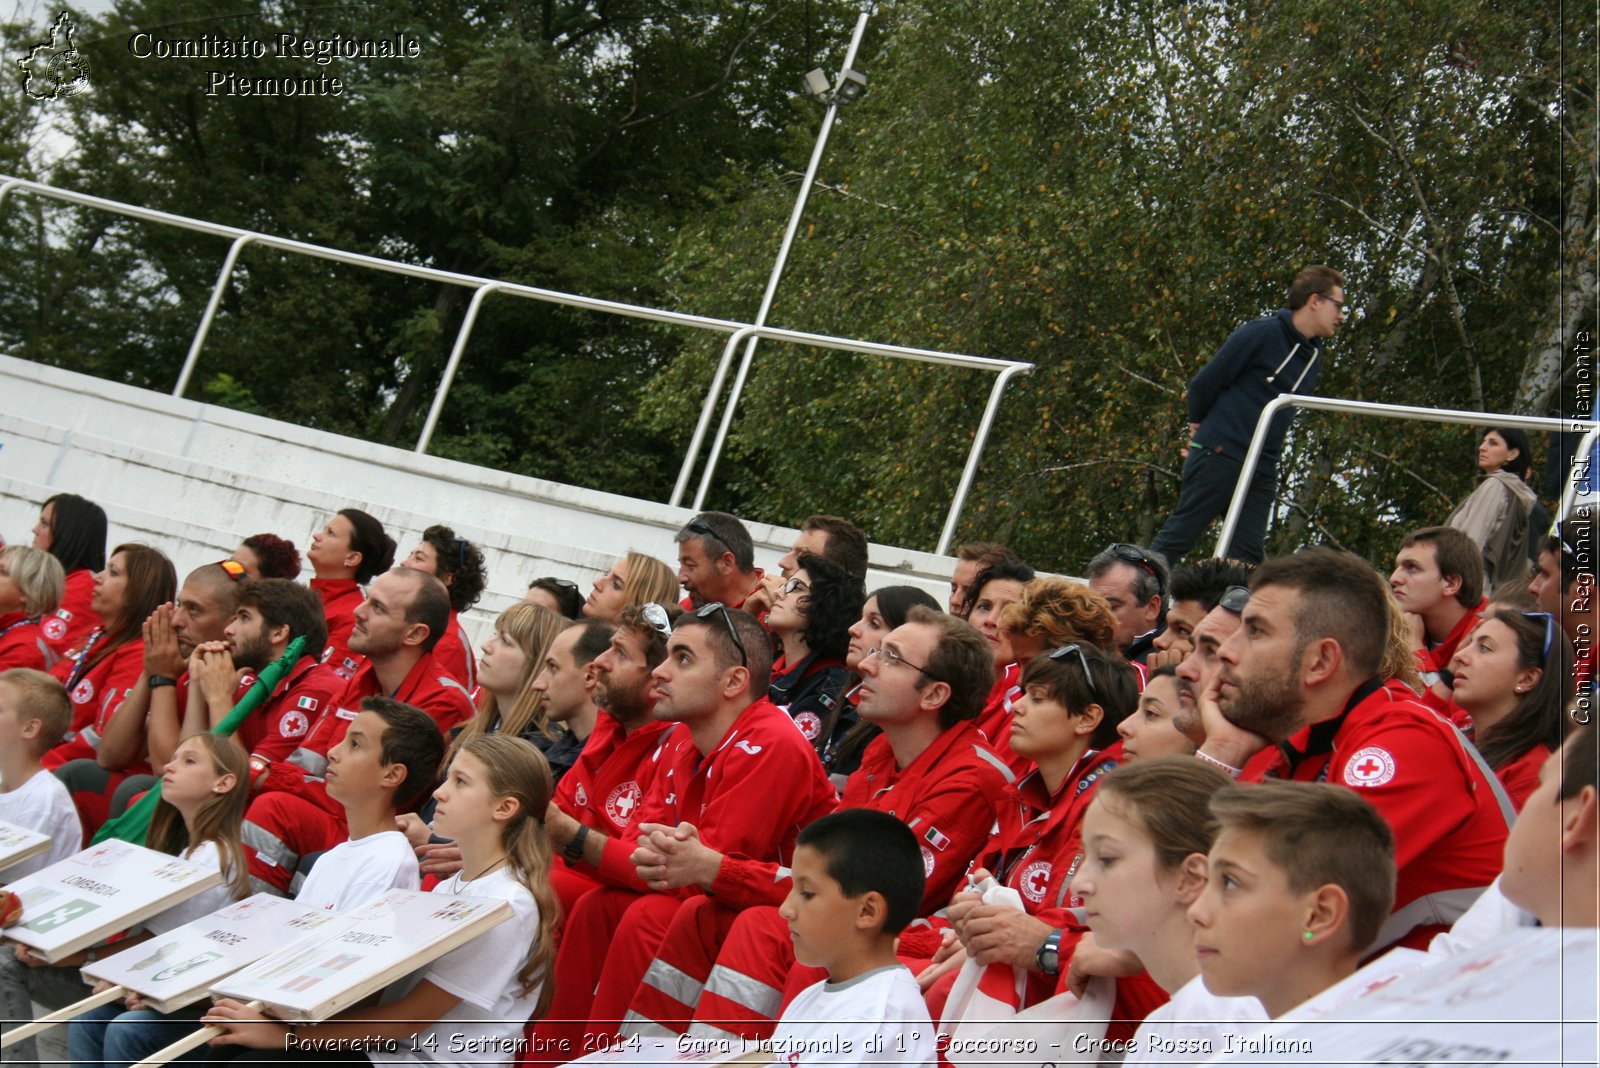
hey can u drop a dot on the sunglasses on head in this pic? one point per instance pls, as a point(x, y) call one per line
point(707, 611)
point(1065, 651)
point(1234, 598)
point(701, 527)
point(656, 616)
point(1133, 554)
point(234, 570)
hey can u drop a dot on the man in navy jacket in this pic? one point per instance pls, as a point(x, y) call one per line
point(1262, 359)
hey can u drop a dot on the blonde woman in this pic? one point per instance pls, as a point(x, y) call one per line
point(635, 579)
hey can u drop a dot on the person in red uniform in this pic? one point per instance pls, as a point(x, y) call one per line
point(1301, 674)
point(929, 768)
point(994, 588)
point(100, 675)
point(733, 766)
point(832, 536)
point(346, 555)
point(458, 564)
point(31, 582)
point(716, 561)
point(1438, 580)
point(72, 530)
point(270, 614)
point(396, 628)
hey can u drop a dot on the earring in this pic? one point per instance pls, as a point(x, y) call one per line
point(1310, 936)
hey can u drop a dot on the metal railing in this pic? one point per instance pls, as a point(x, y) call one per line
point(484, 287)
point(1252, 456)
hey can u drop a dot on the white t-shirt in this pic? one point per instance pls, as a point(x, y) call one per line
point(1189, 1029)
point(219, 897)
point(353, 873)
point(485, 1026)
point(879, 1017)
point(1491, 916)
point(42, 804)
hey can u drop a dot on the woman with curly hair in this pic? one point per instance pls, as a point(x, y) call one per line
point(458, 564)
point(811, 619)
point(268, 556)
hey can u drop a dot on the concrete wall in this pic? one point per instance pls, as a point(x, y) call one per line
point(193, 480)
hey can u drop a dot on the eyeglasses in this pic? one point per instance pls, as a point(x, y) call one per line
point(1088, 676)
point(1344, 309)
point(706, 611)
point(234, 570)
point(796, 583)
point(1549, 633)
point(890, 656)
point(1234, 598)
point(701, 527)
point(1133, 554)
point(656, 616)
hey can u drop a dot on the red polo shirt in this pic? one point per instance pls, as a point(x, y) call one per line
point(604, 787)
point(22, 644)
point(69, 626)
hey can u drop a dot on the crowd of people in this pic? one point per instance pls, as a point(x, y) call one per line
point(781, 807)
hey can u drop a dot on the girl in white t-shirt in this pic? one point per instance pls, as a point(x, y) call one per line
point(478, 996)
point(1145, 840)
point(204, 788)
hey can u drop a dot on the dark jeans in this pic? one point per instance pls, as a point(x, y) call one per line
point(1209, 479)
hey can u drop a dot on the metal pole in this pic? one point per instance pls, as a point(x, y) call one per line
point(212, 305)
point(777, 268)
point(1252, 456)
point(443, 391)
point(971, 470)
point(6, 188)
point(706, 409)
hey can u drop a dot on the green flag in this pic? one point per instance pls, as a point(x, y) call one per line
point(134, 823)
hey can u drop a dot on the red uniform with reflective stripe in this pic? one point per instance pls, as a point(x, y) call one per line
point(427, 686)
point(454, 653)
point(340, 597)
point(1406, 761)
point(994, 722)
point(1439, 656)
point(1520, 776)
point(22, 644)
point(69, 626)
point(604, 787)
point(96, 696)
point(278, 727)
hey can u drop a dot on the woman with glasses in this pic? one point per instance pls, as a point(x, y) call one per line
point(1495, 516)
point(810, 620)
point(73, 530)
point(1513, 678)
point(635, 579)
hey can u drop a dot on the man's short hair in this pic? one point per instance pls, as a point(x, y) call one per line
point(846, 543)
point(866, 851)
point(283, 603)
point(411, 739)
point(727, 535)
point(962, 660)
point(757, 656)
point(40, 696)
point(595, 639)
point(987, 552)
point(1341, 597)
point(1113, 686)
point(460, 561)
point(38, 575)
point(1455, 554)
point(1207, 580)
point(1580, 760)
point(654, 642)
point(1314, 279)
point(1572, 541)
point(1318, 834)
point(430, 606)
point(1150, 575)
point(219, 584)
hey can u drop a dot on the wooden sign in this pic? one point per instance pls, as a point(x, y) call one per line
point(17, 844)
point(383, 941)
point(92, 895)
point(179, 968)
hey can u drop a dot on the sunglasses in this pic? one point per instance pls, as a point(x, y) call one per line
point(566, 584)
point(1234, 598)
point(1132, 554)
point(701, 527)
point(234, 570)
point(1549, 633)
point(1088, 676)
point(656, 616)
point(706, 611)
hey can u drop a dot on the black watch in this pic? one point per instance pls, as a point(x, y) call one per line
point(1049, 955)
point(158, 681)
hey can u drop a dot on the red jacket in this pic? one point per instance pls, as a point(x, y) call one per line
point(96, 695)
point(748, 797)
point(1520, 776)
point(426, 686)
point(603, 788)
point(994, 722)
point(69, 626)
point(1438, 657)
point(22, 644)
point(339, 600)
point(688, 605)
point(275, 729)
point(454, 653)
point(1413, 768)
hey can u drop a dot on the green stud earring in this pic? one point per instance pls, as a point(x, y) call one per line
point(1309, 936)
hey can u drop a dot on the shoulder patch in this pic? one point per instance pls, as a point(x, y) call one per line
point(1372, 766)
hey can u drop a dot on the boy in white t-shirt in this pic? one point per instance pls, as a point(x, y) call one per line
point(858, 881)
point(34, 714)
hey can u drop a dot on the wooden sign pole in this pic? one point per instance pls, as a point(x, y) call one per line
point(71, 1012)
point(184, 1045)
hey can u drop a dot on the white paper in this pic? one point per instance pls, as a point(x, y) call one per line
point(18, 844)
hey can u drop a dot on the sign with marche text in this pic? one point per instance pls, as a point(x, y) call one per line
point(17, 844)
point(83, 900)
point(324, 972)
point(178, 968)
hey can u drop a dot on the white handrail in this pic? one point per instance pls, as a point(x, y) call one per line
point(1252, 456)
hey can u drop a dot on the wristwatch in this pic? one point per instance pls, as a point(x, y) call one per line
point(1049, 955)
point(158, 681)
point(574, 850)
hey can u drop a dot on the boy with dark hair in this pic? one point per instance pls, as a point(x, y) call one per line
point(1301, 879)
point(857, 883)
point(1438, 580)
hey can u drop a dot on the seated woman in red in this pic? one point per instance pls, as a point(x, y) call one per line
point(30, 589)
point(346, 555)
point(72, 530)
point(1513, 677)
